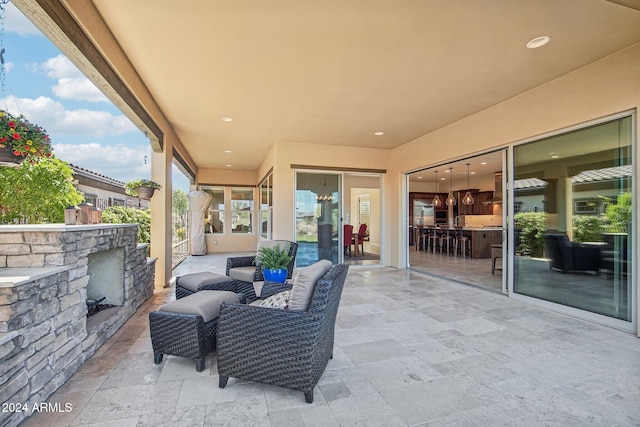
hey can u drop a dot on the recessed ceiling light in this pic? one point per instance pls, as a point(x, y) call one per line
point(228, 151)
point(226, 119)
point(483, 163)
point(555, 156)
point(419, 177)
point(378, 133)
point(472, 173)
point(538, 42)
point(228, 166)
point(447, 171)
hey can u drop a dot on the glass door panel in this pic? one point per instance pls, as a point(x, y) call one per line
point(318, 217)
point(572, 216)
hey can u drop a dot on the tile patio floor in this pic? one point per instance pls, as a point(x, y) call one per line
point(410, 350)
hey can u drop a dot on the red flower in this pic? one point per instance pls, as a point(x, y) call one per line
point(17, 153)
point(16, 136)
point(3, 140)
point(12, 125)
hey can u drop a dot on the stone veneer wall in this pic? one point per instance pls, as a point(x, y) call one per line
point(43, 323)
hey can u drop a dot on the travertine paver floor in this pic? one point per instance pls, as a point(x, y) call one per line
point(410, 350)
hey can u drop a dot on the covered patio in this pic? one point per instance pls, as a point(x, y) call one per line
point(410, 350)
point(249, 96)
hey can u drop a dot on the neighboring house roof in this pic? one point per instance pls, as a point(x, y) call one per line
point(96, 180)
point(606, 174)
point(595, 175)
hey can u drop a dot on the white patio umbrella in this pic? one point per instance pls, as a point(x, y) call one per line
point(198, 204)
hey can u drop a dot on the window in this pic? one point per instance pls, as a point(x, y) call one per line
point(214, 218)
point(266, 206)
point(91, 198)
point(241, 210)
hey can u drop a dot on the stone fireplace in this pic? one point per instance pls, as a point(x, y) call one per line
point(47, 274)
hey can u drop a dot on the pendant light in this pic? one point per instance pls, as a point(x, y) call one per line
point(436, 200)
point(468, 198)
point(451, 201)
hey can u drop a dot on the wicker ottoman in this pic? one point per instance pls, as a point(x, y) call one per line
point(191, 283)
point(187, 327)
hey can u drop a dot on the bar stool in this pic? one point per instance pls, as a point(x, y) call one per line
point(421, 238)
point(464, 240)
point(445, 236)
point(496, 253)
point(432, 238)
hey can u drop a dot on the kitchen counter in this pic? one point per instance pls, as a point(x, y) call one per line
point(482, 239)
point(482, 228)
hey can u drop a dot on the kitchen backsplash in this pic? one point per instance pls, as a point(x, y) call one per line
point(482, 220)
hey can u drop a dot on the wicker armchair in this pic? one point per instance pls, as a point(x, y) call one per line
point(245, 269)
point(286, 348)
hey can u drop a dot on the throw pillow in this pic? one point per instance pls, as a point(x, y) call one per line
point(279, 300)
point(305, 283)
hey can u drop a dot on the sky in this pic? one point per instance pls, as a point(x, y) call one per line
point(85, 128)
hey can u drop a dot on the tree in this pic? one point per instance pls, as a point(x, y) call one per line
point(179, 200)
point(37, 191)
point(180, 206)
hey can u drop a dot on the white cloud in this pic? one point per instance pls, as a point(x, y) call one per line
point(55, 118)
point(8, 66)
point(60, 67)
point(119, 161)
point(16, 22)
point(72, 84)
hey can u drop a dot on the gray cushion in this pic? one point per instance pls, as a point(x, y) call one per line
point(203, 303)
point(245, 274)
point(305, 282)
point(194, 280)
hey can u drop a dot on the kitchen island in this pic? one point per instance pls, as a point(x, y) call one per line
point(481, 240)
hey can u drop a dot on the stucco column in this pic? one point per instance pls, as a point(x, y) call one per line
point(161, 215)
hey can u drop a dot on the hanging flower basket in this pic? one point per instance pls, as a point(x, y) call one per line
point(145, 192)
point(22, 138)
point(7, 156)
point(142, 188)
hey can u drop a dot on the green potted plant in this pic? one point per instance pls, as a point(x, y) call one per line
point(143, 188)
point(274, 262)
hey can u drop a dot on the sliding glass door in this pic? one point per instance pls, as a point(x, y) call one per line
point(318, 222)
point(573, 219)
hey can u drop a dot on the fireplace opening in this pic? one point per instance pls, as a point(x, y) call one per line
point(105, 290)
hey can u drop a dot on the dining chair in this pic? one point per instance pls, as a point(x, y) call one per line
point(347, 237)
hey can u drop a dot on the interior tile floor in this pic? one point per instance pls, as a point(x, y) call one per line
point(410, 350)
point(468, 270)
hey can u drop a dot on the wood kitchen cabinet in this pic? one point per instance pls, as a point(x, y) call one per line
point(478, 207)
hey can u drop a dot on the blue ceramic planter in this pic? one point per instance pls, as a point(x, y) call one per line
point(278, 276)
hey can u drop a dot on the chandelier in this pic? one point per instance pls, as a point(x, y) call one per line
point(325, 196)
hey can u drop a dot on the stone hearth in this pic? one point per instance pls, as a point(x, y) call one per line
point(44, 273)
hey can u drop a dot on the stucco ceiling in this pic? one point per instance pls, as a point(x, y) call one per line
point(335, 72)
